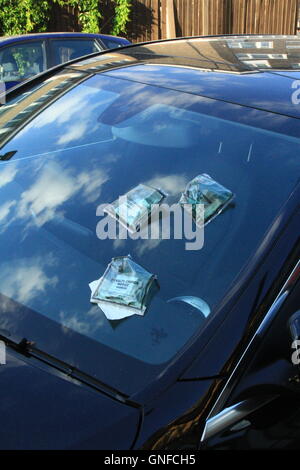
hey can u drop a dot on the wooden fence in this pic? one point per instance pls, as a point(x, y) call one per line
point(148, 18)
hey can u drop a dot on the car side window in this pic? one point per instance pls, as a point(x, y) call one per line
point(110, 43)
point(21, 61)
point(65, 50)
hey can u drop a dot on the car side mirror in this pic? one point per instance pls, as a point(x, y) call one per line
point(235, 417)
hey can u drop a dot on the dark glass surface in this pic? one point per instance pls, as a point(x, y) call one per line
point(69, 49)
point(97, 141)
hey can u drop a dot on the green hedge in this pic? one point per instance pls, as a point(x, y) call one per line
point(27, 16)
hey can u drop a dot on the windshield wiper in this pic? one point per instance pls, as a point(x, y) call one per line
point(7, 155)
point(27, 348)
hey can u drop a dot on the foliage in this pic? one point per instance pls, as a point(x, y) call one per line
point(122, 11)
point(23, 16)
point(26, 16)
point(88, 13)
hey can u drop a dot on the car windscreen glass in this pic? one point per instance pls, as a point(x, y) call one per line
point(95, 142)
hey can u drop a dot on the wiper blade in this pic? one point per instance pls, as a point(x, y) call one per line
point(8, 155)
point(28, 349)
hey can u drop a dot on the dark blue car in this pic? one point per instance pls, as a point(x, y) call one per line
point(24, 56)
point(147, 341)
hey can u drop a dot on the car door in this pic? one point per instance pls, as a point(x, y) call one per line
point(262, 407)
point(22, 60)
point(65, 49)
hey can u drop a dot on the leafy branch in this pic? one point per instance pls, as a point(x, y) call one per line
point(88, 13)
point(122, 11)
point(26, 16)
point(23, 16)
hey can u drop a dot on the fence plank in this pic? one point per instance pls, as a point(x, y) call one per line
point(192, 17)
point(155, 30)
point(205, 17)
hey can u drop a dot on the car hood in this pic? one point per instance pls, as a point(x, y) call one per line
point(42, 410)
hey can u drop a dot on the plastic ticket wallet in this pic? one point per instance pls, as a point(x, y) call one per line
point(124, 289)
point(134, 208)
point(205, 190)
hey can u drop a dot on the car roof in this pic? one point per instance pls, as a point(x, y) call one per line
point(22, 37)
point(251, 70)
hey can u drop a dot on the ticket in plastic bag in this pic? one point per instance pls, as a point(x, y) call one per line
point(205, 190)
point(124, 289)
point(134, 208)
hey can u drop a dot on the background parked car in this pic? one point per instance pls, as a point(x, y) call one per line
point(24, 56)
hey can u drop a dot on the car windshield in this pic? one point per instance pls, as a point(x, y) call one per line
point(67, 152)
